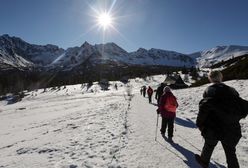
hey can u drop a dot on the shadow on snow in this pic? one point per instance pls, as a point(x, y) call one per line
point(189, 157)
point(186, 123)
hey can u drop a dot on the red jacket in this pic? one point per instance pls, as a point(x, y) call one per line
point(149, 91)
point(162, 105)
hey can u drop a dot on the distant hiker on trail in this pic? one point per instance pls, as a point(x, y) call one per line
point(167, 109)
point(149, 93)
point(218, 120)
point(159, 92)
point(116, 87)
point(144, 91)
point(141, 90)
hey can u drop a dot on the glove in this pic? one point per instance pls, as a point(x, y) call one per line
point(158, 112)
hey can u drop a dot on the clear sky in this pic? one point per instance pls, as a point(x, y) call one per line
point(180, 25)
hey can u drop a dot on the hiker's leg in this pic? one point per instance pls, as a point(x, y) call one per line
point(231, 158)
point(163, 126)
point(170, 127)
point(208, 149)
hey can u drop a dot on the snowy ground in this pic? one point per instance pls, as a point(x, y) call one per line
point(74, 128)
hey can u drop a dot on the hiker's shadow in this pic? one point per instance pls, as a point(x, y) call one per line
point(186, 123)
point(190, 157)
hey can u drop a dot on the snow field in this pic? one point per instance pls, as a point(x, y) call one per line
point(78, 128)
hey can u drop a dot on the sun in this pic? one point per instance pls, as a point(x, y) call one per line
point(105, 20)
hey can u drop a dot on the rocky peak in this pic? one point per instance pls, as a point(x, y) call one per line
point(86, 45)
point(142, 50)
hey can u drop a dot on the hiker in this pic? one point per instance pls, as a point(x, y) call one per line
point(144, 91)
point(159, 92)
point(167, 109)
point(141, 90)
point(116, 87)
point(218, 120)
point(149, 93)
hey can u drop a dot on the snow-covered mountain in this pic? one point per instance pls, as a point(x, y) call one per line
point(17, 53)
point(217, 54)
point(13, 60)
point(74, 55)
point(14, 52)
point(110, 52)
point(160, 57)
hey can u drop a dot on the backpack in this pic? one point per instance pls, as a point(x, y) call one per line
point(237, 107)
point(243, 107)
point(149, 91)
point(171, 104)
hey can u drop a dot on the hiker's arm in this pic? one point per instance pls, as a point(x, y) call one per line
point(203, 114)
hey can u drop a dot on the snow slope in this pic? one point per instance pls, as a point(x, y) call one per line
point(74, 127)
point(217, 54)
point(18, 53)
point(14, 60)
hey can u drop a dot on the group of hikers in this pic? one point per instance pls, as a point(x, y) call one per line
point(149, 92)
point(220, 111)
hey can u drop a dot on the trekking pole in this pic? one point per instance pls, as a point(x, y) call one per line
point(175, 127)
point(156, 128)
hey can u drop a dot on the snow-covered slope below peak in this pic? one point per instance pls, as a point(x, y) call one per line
point(110, 52)
point(160, 57)
point(217, 54)
point(13, 61)
point(74, 56)
point(94, 53)
point(111, 49)
point(44, 55)
point(11, 47)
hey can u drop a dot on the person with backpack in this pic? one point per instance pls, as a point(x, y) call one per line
point(167, 109)
point(144, 91)
point(149, 93)
point(159, 92)
point(218, 120)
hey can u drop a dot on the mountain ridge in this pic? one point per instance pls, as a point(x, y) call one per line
point(209, 57)
point(53, 56)
point(16, 53)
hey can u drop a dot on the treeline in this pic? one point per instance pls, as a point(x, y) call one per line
point(236, 68)
point(239, 70)
point(13, 81)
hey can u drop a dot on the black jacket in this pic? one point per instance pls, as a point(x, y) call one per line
point(159, 91)
point(219, 116)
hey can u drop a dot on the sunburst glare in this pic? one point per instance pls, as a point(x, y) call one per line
point(105, 20)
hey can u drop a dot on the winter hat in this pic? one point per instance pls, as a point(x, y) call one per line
point(166, 89)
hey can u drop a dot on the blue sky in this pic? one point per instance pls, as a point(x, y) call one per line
point(180, 25)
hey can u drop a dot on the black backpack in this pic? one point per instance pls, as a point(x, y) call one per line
point(243, 107)
point(230, 102)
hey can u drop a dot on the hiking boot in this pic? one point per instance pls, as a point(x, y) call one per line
point(170, 139)
point(162, 133)
point(200, 161)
